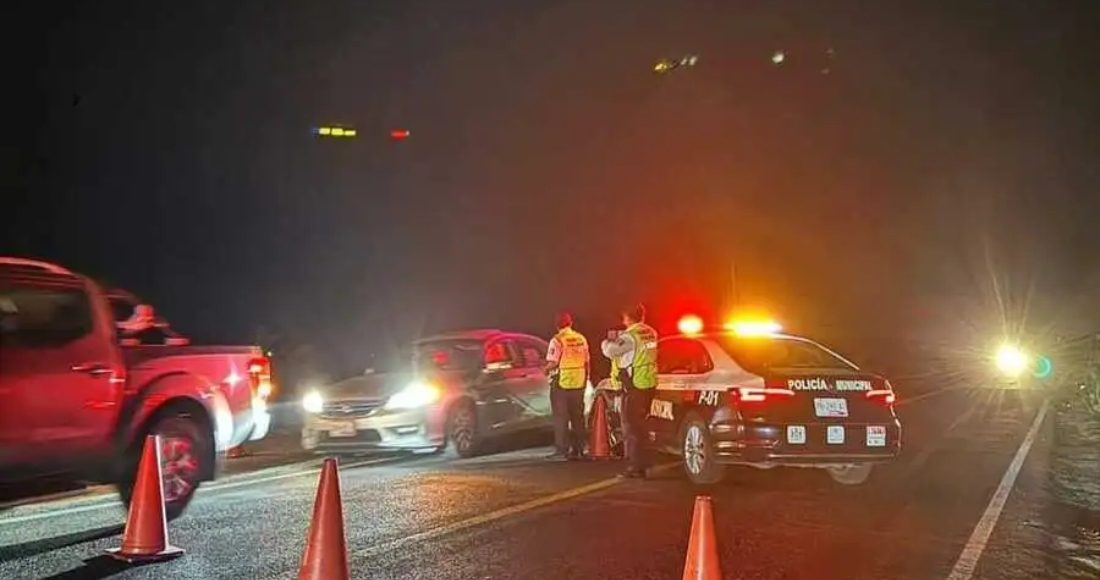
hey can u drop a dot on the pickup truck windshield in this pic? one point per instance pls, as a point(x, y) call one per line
point(762, 353)
point(43, 317)
point(449, 355)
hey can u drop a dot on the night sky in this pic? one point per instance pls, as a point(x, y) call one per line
point(166, 148)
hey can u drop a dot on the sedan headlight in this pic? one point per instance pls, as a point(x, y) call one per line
point(413, 396)
point(313, 402)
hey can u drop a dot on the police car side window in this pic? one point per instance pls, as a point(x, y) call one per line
point(683, 356)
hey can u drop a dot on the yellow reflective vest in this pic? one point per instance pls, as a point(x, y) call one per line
point(643, 368)
point(574, 359)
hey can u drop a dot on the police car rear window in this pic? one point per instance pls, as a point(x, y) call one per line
point(760, 353)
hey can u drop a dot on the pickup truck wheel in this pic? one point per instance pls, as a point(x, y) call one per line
point(462, 429)
point(184, 456)
point(700, 464)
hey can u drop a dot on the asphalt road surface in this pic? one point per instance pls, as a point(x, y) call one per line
point(963, 502)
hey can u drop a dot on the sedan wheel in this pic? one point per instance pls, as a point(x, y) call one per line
point(463, 430)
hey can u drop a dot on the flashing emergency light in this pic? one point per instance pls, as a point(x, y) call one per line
point(1011, 360)
point(754, 328)
point(690, 324)
point(334, 132)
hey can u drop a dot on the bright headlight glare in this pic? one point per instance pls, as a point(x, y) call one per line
point(313, 402)
point(413, 396)
point(1011, 360)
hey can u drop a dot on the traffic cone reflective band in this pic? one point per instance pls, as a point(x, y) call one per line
point(702, 554)
point(598, 445)
point(326, 556)
point(145, 538)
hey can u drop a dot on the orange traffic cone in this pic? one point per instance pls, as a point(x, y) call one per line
point(326, 556)
point(702, 554)
point(145, 538)
point(598, 445)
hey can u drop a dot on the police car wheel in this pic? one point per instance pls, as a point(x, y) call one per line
point(852, 474)
point(697, 452)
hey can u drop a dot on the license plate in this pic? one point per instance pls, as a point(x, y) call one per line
point(796, 434)
point(831, 407)
point(876, 436)
point(345, 429)
point(834, 434)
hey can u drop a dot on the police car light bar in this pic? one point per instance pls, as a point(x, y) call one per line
point(690, 325)
point(745, 328)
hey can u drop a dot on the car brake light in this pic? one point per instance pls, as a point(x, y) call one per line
point(761, 394)
point(259, 377)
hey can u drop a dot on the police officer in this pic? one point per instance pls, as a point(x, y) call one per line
point(634, 352)
point(613, 392)
point(567, 363)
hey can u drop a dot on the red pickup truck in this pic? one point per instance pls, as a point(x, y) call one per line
point(76, 400)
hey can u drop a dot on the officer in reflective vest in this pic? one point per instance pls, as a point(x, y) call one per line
point(634, 352)
point(567, 363)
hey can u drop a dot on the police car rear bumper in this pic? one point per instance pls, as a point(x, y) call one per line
point(768, 445)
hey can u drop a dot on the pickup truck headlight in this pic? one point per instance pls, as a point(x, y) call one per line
point(313, 402)
point(414, 396)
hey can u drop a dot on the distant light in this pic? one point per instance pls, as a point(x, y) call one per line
point(690, 324)
point(399, 134)
point(1043, 367)
point(334, 132)
point(778, 57)
point(1011, 361)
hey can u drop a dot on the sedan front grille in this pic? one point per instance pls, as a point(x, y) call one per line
point(350, 408)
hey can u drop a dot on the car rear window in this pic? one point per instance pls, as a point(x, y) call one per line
point(449, 355)
point(759, 354)
point(43, 317)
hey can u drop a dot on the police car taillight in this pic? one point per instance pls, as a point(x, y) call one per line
point(882, 394)
point(761, 394)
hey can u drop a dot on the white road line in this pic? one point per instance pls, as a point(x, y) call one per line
point(498, 514)
point(968, 560)
point(53, 513)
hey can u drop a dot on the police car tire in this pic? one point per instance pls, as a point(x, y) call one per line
point(850, 474)
point(710, 471)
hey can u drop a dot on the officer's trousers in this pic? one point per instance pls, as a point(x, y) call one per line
point(567, 406)
point(635, 409)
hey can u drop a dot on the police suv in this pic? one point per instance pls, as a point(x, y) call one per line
point(750, 395)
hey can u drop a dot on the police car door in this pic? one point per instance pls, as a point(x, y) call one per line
point(683, 366)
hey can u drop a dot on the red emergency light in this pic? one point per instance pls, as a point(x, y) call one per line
point(399, 134)
point(690, 324)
